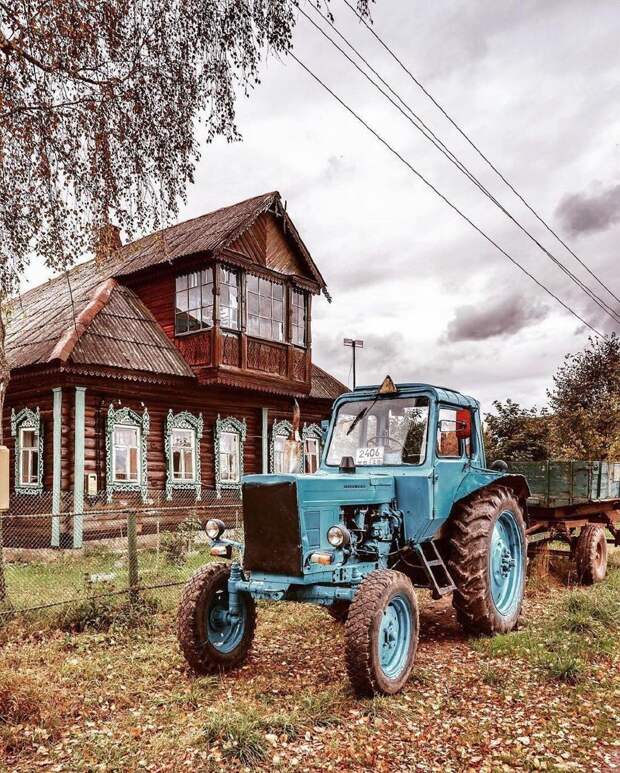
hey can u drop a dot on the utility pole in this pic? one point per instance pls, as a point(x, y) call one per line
point(354, 343)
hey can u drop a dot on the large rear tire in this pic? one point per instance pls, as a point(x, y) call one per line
point(488, 561)
point(210, 640)
point(591, 554)
point(381, 633)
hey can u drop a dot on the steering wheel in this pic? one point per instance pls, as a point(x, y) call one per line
point(385, 440)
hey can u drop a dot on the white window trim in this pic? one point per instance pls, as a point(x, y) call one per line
point(22, 450)
point(137, 481)
point(125, 417)
point(238, 427)
point(186, 421)
point(192, 436)
point(24, 420)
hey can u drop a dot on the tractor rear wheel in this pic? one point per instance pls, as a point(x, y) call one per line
point(210, 639)
point(488, 560)
point(381, 633)
point(591, 554)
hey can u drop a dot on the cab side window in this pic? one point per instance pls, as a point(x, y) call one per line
point(454, 433)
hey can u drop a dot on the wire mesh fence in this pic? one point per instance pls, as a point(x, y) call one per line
point(55, 561)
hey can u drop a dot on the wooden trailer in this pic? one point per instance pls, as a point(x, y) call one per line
point(577, 503)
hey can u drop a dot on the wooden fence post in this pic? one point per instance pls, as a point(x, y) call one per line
point(132, 552)
point(2, 576)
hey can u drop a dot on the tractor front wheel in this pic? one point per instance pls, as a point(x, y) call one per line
point(488, 556)
point(210, 637)
point(381, 633)
point(591, 554)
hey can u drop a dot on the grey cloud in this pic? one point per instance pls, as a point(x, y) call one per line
point(501, 318)
point(583, 213)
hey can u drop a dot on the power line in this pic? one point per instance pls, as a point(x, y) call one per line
point(428, 133)
point(479, 151)
point(430, 185)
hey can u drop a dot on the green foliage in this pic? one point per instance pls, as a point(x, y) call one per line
point(516, 434)
point(101, 614)
point(100, 105)
point(176, 546)
point(583, 421)
point(585, 401)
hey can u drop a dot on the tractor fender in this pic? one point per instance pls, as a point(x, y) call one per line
point(481, 479)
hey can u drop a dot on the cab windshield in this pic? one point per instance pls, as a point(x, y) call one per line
point(386, 431)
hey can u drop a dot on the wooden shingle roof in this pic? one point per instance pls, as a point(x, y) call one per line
point(324, 385)
point(88, 316)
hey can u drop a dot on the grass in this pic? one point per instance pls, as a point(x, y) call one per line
point(109, 690)
point(572, 638)
point(72, 578)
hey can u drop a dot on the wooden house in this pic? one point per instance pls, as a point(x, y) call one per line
point(154, 376)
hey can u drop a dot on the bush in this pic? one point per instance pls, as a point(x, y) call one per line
point(177, 545)
point(101, 614)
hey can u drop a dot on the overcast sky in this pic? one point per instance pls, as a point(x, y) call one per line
point(537, 86)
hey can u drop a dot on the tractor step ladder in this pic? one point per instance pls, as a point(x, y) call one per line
point(435, 569)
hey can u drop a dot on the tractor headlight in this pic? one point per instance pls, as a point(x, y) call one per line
point(338, 537)
point(214, 528)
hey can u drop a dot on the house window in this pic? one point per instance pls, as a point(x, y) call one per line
point(126, 453)
point(279, 448)
point(312, 436)
point(126, 434)
point(311, 454)
point(29, 457)
point(298, 314)
point(285, 456)
point(183, 451)
point(229, 298)
point(182, 446)
point(229, 457)
point(27, 429)
point(194, 301)
point(265, 301)
point(230, 435)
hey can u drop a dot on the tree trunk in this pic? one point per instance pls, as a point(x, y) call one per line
point(5, 375)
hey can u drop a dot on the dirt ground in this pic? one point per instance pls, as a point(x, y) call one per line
point(544, 698)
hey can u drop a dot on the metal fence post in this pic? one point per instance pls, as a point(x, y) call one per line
point(132, 555)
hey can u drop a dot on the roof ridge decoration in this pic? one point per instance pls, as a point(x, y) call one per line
point(68, 341)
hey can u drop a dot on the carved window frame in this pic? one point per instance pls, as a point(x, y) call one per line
point(238, 426)
point(282, 428)
point(183, 420)
point(27, 419)
point(129, 418)
point(313, 432)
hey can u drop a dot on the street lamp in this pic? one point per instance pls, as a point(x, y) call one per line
point(354, 343)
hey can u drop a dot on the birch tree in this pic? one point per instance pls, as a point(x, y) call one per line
point(105, 106)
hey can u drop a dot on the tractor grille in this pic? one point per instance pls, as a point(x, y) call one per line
point(272, 530)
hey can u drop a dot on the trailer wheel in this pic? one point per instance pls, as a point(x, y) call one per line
point(339, 611)
point(591, 554)
point(209, 640)
point(488, 560)
point(381, 633)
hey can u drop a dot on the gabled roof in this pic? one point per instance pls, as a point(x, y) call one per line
point(49, 316)
point(209, 233)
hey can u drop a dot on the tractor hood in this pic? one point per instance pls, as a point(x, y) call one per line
point(331, 488)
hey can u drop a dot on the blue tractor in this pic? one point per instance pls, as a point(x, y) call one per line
point(402, 499)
